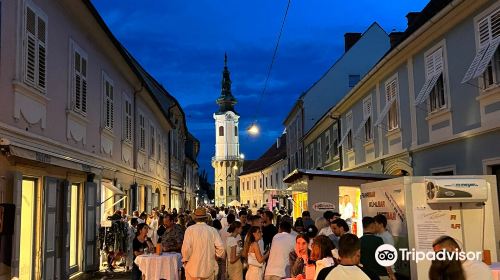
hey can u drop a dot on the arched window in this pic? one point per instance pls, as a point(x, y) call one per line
point(230, 191)
point(221, 131)
point(221, 191)
point(235, 131)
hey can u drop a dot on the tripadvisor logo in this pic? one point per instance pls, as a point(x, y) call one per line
point(386, 255)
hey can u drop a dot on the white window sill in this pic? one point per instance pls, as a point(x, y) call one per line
point(31, 92)
point(127, 142)
point(77, 116)
point(438, 114)
point(393, 132)
point(108, 132)
point(487, 93)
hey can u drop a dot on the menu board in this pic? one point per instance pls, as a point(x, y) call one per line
point(389, 201)
point(431, 224)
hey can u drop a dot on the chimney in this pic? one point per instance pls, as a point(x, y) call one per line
point(412, 17)
point(395, 38)
point(350, 39)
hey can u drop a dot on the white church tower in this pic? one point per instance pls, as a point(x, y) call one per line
point(227, 161)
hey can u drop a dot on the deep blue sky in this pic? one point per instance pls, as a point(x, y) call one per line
point(182, 44)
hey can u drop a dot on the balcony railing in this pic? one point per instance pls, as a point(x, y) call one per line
point(226, 158)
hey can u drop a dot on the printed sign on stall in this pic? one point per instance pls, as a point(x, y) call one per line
point(323, 206)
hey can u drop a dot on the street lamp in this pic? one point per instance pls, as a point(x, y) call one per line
point(253, 129)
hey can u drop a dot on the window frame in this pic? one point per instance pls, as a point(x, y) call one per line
point(142, 132)
point(74, 49)
point(368, 116)
point(128, 121)
point(485, 15)
point(349, 125)
point(105, 98)
point(39, 14)
point(443, 78)
point(395, 104)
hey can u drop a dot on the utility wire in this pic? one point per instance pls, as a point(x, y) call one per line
point(272, 62)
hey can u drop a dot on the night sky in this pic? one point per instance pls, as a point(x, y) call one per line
point(182, 44)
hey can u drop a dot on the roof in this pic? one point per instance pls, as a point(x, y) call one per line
point(271, 156)
point(160, 95)
point(298, 173)
point(428, 12)
point(247, 163)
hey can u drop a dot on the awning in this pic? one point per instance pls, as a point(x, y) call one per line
point(298, 173)
point(37, 154)
point(114, 189)
point(384, 112)
point(481, 60)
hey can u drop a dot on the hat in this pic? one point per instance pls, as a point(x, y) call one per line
point(200, 212)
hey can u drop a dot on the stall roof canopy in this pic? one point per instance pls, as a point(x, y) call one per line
point(298, 173)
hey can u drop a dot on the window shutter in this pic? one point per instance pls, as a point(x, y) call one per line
point(42, 28)
point(77, 81)
point(367, 108)
point(30, 64)
point(111, 113)
point(495, 25)
point(84, 84)
point(437, 56)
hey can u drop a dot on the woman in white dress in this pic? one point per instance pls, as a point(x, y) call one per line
point(153, 227)
point(233, 249)
point(256, 260)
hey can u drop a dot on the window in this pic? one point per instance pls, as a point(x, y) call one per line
point(367, 113)
point(237, 191)
point(221, 191)
point(433, 87)
point(266, 181)
point(277, 179)
point(254, 184)
point(221, 131)
point(79, 80)
point(349, 133)
point(142, 131)
point(327, 145)
point(319, 156)
point(486, 62)
point(35, 48)
point(260, 183)
point(230, 191)
point(235, 131)
point(128, 121)
point(248, 185)
point(391, 91)
point(158, 140)
point(108, 104)
point(353, 80)
point(152, 141)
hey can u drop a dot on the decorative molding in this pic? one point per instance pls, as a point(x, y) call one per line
point(439, 125)
point(141, 160)
point(106, 143)
point(29, 104)
point(126, 152)
point(485, 99)
point(76, 128)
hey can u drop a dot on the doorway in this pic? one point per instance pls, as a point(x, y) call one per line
point(27, 232)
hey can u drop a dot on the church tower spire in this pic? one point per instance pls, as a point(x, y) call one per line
point(226, 99)
point(227, 161)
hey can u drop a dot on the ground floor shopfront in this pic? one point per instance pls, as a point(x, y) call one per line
point(52, 208)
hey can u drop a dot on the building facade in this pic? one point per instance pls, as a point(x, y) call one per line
point(261, 183)
point(84, 131)
point(227, 161)
point(362, 51)
point(431, 105)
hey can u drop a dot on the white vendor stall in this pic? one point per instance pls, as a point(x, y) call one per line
point(421, 209)
point(319, 190)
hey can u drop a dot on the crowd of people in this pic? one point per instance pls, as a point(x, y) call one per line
point(234, 243)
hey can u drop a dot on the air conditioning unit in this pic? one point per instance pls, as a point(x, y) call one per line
point(456, 190)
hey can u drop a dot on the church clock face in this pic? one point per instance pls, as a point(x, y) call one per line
point(229, 117)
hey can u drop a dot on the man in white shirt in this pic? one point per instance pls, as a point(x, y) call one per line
point(350, 253)
point(278, 265)
point(223, 232)
point(347, 210)
point(330, 217)
point(198, 256)
point(473, 269)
